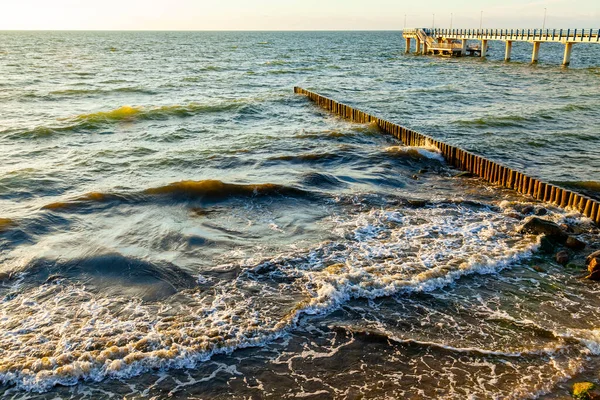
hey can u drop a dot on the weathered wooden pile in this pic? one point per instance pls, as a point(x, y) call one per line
point(491, 171)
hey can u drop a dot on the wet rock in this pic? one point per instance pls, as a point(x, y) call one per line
point(546, 245)
point(584, 391)
point(541, 211)
point(538, 226)
point(54, 278)
point(562, 257)
point(465, 174)
point(418, 203)
point(594, 269)
point(575, 244)
point(566, 228)
point(527, 210)
point(537, 268)
point(589, 258)
point(514, 215)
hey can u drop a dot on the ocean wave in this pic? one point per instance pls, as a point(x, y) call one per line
point(380, 253)
point(496, 121)
point(98, 120)
point(81, 92)
point(111, 272)
point(308, 157)
point(426, 152)
point(6, 223)
point(207, 190)
point(321, 180)
point(215, 189)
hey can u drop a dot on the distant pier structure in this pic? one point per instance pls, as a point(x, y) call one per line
point(454, 42)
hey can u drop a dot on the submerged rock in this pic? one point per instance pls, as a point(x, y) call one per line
point(584, 391)
point(562, 257)
point(575, 244)
point(538, 226)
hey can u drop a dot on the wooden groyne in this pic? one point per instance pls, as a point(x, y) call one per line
point(491, 171)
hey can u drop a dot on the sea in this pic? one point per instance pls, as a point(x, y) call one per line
point(176, 223)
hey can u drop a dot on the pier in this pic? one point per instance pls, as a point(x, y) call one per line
point(454, 42)
point(488, 170)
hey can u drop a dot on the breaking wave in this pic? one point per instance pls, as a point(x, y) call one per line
point(207, 190)
point(380, 253)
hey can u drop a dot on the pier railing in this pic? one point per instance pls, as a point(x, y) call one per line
point(545, 35)
point(488, 170)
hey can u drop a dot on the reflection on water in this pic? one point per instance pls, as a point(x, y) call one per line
point(175, 222)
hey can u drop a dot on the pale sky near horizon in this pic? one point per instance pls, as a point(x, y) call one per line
point(292, 14)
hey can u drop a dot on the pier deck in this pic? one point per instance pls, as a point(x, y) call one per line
point(454, 41)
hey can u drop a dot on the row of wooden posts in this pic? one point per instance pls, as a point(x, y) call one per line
point(491, 171)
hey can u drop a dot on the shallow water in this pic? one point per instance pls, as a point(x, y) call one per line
point(175, 221)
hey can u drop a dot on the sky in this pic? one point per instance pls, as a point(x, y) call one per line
point(293, 14)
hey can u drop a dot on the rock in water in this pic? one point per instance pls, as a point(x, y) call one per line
point(538, 269)
point(562, 257)
point(541, 211)
point(538, 226)
point(546, 245)
point(594, 269)
point(589, 258)
point(574, 243)
point(584, 391)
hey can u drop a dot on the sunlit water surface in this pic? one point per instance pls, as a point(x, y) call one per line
point(176, 222)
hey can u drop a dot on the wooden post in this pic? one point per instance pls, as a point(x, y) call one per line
point(408, 44)
point(418, 46)
point(487, 169)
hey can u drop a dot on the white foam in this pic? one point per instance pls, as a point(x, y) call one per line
point(60, 333)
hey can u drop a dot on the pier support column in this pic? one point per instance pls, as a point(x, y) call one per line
point(484, 47)
point(418, 50)
point(536, 52)
point(408, 45)
point(463, 49)
point(567, 57)
point(425, 48)
point(508, 50)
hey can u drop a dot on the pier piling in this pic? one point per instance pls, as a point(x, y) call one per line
point(488, 170)
point(484, 47)
point(508, 50)
point(567, 57)
point(536, 52)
